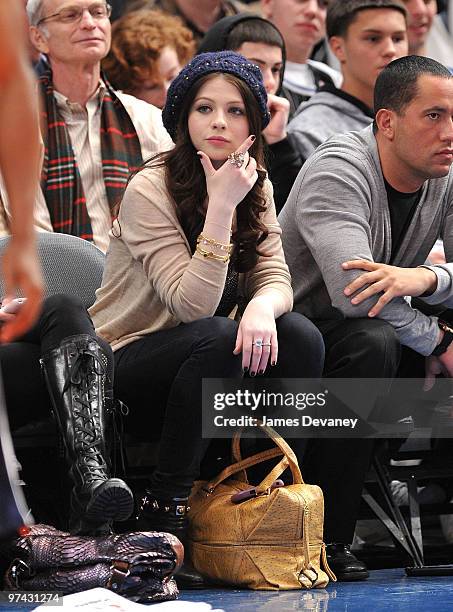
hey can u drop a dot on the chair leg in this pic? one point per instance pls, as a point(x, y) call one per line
point(14, 508)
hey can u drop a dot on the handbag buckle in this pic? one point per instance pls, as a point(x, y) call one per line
point(309, 573)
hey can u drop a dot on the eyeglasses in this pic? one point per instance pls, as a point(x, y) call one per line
point(73, 14)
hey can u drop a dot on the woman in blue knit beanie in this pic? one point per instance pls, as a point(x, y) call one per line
point(196, 240)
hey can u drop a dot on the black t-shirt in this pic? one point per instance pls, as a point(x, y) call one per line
point(402, 207)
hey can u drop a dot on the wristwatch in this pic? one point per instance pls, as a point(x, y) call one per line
point(446, 340)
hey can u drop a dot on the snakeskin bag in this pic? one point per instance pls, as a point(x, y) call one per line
point(137, 565)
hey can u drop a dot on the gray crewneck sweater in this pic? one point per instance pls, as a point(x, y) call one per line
point(338, 211)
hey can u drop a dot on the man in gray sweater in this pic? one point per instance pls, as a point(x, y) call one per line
point(358, 225)
point(365, 36)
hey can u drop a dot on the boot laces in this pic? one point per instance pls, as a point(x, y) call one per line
point(86, 367)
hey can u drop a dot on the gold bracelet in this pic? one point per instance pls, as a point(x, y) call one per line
point(220, 245)
point(223, 226)
point(211, 255)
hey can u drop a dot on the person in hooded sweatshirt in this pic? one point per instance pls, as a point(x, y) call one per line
point(365, 36)
point(259, 41)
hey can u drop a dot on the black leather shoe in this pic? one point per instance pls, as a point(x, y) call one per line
point(345, 564)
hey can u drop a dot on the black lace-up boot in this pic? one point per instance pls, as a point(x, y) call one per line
point(78, 385)
point(170, 515)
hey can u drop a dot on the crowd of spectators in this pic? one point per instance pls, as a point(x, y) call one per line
point(335, 115)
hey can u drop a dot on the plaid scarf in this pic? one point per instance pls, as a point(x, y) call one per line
point(60, 179)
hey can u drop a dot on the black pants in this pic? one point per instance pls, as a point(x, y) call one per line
point(355, 348)
point(160, 376)
point(25, 391)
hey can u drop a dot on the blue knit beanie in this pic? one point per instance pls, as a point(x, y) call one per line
point(205, 63)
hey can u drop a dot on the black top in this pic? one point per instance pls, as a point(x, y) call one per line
point(229, 297)
point(283, 163)
point(402, 207)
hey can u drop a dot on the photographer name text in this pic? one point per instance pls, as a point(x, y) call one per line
point(303, 421)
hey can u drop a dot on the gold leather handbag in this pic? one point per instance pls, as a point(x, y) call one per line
point(266, 537)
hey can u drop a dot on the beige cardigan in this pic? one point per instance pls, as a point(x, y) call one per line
point(151, 280)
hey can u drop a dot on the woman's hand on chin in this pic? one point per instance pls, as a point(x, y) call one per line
point(229, 185)
point(257, 337)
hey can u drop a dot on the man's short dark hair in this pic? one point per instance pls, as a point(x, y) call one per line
point(341, 13)
point(397, 84)
point(255, 31)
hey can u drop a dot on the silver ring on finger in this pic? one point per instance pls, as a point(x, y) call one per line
point(237, 159)
point(258, 342)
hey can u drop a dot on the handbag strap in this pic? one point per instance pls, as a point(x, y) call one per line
point(236, 446)
point(278, 441)
point(236, 453)
point(266, 483)
point(241, 466)
point(283, 449)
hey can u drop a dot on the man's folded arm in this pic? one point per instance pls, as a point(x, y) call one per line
point(333, 215)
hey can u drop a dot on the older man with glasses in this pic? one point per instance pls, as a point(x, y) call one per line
point(93, 136)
